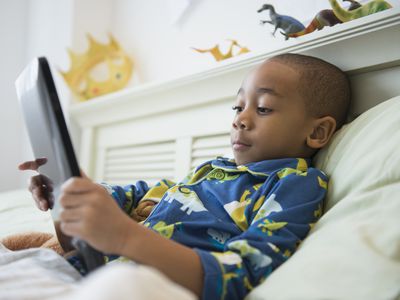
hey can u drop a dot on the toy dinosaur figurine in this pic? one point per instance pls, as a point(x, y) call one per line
point(324, 18)
point(353, 4)
point(366, 9)
point(218, 55)
point(286, 23)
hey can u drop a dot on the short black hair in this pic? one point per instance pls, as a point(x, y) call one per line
point(325, 87)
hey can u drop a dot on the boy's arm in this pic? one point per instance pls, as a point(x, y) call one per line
point(90, 213)
point(127, 197)
point(178, 262)
point(139, 196)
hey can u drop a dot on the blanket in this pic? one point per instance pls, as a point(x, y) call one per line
point(35, 274)
point(43, 274)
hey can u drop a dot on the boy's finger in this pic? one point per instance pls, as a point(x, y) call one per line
point(43, 204)
point(78, 185)
point(33, 165)
point(28, 165)
point(70, 215)
point(71, 228)
point(72, 201)
point(35, 182)
point(40, 200)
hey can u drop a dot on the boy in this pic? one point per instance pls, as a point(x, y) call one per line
point(230, 223)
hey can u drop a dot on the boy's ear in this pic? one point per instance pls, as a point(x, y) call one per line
point(323, 130)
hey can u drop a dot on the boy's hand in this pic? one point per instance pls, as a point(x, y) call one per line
point(143, 210)
point(91, 214)
point(40, 186)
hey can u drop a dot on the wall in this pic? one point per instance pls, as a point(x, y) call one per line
point(12, 32)
point(163, 50)
point(160, 48)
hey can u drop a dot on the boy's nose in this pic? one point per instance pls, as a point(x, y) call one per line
point(242, 122)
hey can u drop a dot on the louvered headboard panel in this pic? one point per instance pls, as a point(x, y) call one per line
point(165, 142)
point(149, 162)
point(208, 147)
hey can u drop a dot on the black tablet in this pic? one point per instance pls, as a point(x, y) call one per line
point(49, 137)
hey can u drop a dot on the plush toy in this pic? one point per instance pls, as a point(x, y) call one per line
point(47, 240)
point(32, 240)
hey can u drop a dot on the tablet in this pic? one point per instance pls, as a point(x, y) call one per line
point(49, 138)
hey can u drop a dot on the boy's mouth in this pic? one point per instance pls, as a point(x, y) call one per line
point(239, 145)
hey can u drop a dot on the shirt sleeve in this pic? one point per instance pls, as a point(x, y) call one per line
point(278, 220)
point(129, 196)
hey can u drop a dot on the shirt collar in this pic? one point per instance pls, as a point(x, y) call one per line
point(262, 168)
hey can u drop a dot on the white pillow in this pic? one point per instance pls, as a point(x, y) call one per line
point(353, 252)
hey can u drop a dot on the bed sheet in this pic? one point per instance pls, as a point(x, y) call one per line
point(42, 274)
point(18, 214)
point(39, 273)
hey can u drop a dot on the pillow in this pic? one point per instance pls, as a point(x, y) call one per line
point(353, 251)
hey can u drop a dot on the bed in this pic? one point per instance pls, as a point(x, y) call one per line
point(166, 128)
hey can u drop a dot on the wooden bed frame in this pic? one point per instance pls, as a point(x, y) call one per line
point(161, 130)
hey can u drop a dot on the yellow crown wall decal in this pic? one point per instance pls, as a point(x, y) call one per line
point(119, 68)
point(217, 53)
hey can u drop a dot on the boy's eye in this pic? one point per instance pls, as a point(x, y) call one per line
point(237, 108)
point(264, 110)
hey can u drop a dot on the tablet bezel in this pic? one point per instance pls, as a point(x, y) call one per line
point(38, 98)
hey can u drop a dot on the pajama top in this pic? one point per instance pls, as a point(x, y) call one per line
point(243, 221)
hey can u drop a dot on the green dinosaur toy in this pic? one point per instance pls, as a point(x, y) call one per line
point(366, 9)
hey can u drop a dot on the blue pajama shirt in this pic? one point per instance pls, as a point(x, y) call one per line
point(242, 221)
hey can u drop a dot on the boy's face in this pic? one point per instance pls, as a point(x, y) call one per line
point(270, 120)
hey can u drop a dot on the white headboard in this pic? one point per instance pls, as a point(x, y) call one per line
point(162, 130)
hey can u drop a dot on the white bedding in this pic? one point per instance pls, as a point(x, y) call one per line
point(34, 274)
point(18, 213)
point(42, 274)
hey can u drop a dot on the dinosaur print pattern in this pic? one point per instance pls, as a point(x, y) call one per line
point(256, 258)
point(269, 206)
point(219, 236)
point(269, 227)
point(236, 210)
point(189, 200)
point(163, 229)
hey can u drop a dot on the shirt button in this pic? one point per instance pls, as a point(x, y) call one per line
point(219, 174)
